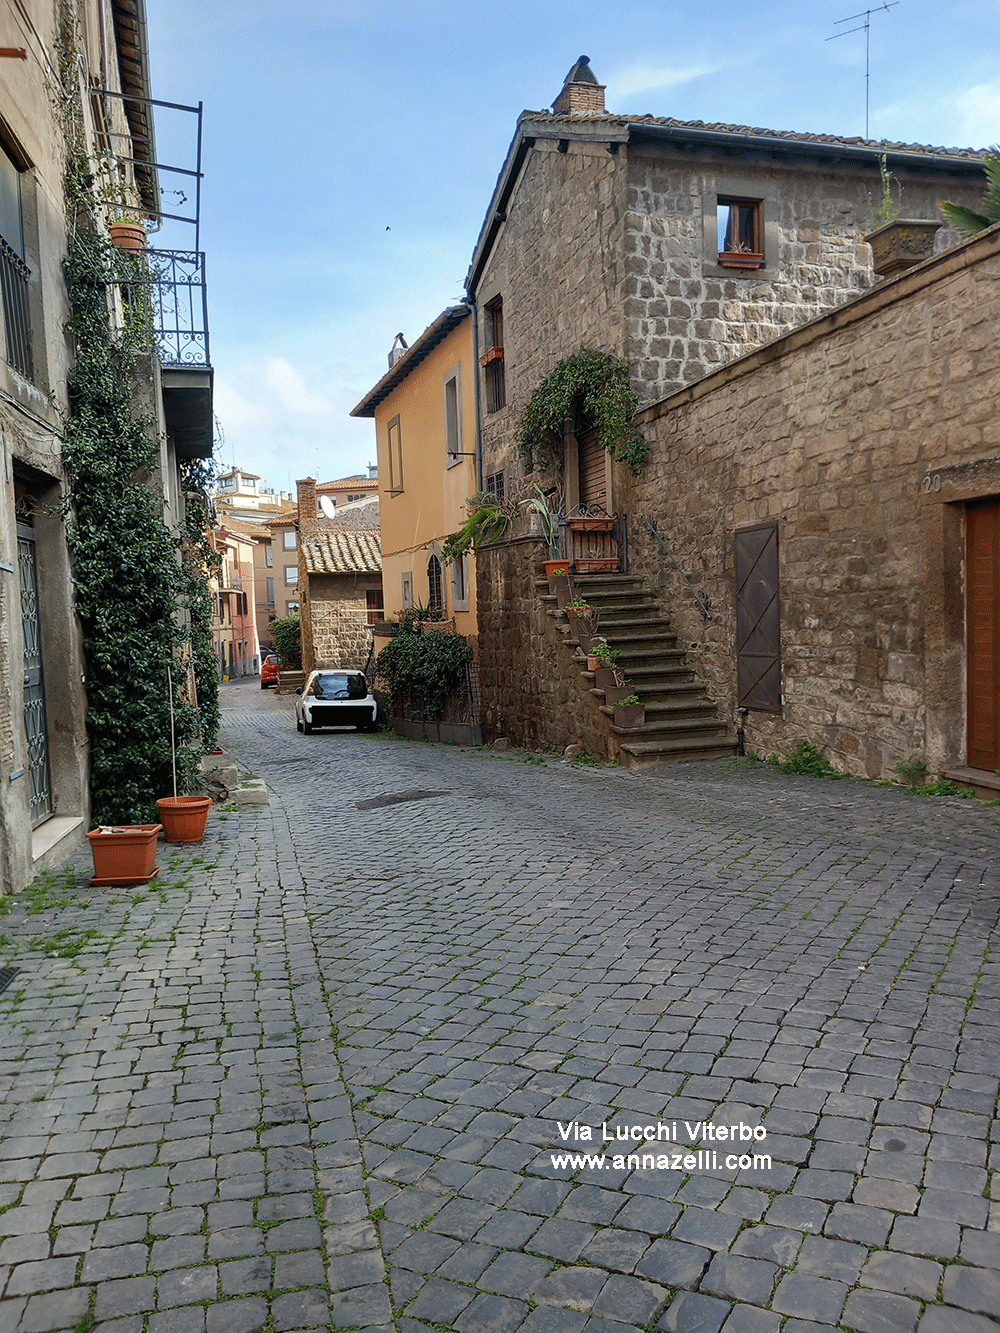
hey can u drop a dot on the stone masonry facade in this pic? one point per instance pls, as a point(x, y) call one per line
point(341, 635)
point(862, 436)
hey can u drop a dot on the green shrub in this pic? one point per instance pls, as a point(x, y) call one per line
point(807, 759)
point(423, 668)
point(943, 788)
point(286, 634)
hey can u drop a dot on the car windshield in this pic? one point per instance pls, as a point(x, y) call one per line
point(340, 685)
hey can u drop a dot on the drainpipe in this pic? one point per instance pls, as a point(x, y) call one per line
point(475, 366)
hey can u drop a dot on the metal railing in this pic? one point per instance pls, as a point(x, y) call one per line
point(164, 299)
point(14, 278)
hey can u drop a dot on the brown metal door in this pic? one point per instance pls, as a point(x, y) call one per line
point(758, 620)
point(983, 633)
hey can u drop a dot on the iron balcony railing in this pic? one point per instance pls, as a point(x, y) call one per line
point(164, 301)
point(14, 277)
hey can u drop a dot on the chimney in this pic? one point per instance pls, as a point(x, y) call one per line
point(308, 514)
point(398, 348)
point(581, 94)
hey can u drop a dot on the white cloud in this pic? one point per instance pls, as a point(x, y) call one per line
point(979, 111)
point(648, 78)
point(970, 119)
point(288, 386)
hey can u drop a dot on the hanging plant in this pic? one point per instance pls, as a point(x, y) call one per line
point(593, 386)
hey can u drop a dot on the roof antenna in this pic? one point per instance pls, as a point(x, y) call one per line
point(866, 15)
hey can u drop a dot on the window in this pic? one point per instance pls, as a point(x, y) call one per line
point(14, 272)
point(270, 592)
point(453, 416)
point(435, 593)
point(494, 485)
point(360, 496)
point(460, 583)
point(288, 539)
point(291, 576)
point(269, 556)
point(741, 241)
point(407, 590)
point(758, 624)
point(395, 458)
point(373, 600)
point(291, 608)
point(492, 359)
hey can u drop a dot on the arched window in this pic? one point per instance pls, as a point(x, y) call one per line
point(435, 595)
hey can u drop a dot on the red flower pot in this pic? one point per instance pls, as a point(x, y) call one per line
point(184, 817)
point(124, 854)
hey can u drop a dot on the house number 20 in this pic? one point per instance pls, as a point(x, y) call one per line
point(932, 482)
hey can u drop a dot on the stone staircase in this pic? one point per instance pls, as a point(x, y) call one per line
point(682, 723)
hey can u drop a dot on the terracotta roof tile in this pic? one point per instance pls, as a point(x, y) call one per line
point(343, 553)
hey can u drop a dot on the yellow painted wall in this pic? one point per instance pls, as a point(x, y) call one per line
point(433, 498)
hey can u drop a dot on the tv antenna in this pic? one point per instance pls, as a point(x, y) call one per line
point(865, 27)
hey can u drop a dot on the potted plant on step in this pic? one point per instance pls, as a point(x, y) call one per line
point(124, 854)
point(559, 582)
point(614, 685)
point(184, 817)
point(630, 713)
point(606, 660)
point(550, 530)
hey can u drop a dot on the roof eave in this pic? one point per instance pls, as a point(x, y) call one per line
point(434, 333)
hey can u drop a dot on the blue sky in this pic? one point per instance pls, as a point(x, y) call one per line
point(351, 148)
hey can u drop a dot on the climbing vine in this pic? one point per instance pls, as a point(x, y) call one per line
point(141, 590)
point(423, 668)
point(589, 386)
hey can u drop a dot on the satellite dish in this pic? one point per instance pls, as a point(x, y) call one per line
point(327, 506)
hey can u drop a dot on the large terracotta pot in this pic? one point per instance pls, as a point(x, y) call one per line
point(184, 817)
point(124, 854)
point(128, 235)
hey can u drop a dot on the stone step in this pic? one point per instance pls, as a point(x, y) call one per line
point(651, 754)
point(664, 637)
point(669, 728)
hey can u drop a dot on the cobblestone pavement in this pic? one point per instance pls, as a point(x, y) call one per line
point(314, 1075)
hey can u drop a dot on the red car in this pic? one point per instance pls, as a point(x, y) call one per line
point(269, 671)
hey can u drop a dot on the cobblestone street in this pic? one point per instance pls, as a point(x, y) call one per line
point(314, 1075)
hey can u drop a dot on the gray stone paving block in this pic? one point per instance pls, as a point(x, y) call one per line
point(236, 1243)
point(356, 1270)
point(588, 1203)
point(925, 1236)
point(831, 1258)
point(750, 1319)
point(312, 1308)
point(799, 1213)
point(673, 1263)
point(981, 1248)
point(186, 1286)
point(55, 1310)
point(851, 1221)
point(301, 1233)
point(702, 1226)
point(19, 1249)
point(895, 1195)
point(810, 1297)
point(550, 1319)
point(574, 1288)
point(244, 1277)
point(513, 1273)
point(952, 1206)
point(350, 1237)
point(440, 1302)
point(413, 1205)
point(468, 1261)
point(973, 1289)
point(237, 1316)
point(561, 1239)
point(878, 1312)
point(689, 1312)
point(185, 1319)
point(628, 1298)
point(424, 1252)
point(904, 1274)
point(508, 1231)
point(642, 1213)
point(118, 1261)
point(778, 1245)
point(740, 1278)
point(131, 1295)
point(491, 1314)
point(946, 1319)
point(28, 1279)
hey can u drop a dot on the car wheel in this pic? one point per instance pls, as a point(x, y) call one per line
point(263, 686)
point(307, 727)
point(298, 725)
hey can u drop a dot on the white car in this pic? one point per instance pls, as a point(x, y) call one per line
point(335, 698)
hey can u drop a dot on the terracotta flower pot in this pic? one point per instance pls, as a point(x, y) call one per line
point(128, 235)
point(551, 566)
point(594, 524)
point(184, 817)
point(124, 854)
point(593, 663)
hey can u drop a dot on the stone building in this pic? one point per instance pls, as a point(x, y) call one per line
point(44, 801)
point(678, 245)
point(340, 580)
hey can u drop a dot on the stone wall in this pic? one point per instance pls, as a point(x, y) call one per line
point(686, 316)
point(831, 432)
point(559, 266)
point(527, 675)
point(341, 635)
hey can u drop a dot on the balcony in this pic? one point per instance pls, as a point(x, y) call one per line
point(163, 302)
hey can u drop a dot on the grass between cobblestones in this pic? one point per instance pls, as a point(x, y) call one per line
point(312, 1079)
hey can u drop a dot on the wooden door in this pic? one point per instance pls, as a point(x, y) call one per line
point(592, 471)
point(758, 619)
point(983, 633)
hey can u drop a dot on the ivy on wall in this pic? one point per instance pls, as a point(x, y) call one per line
point(287, 635)
point(589, 386)
point(423, 668)
point(131, 583)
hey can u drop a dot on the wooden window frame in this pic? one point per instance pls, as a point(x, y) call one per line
point(492, 360)
point(453, 416)
point(752, 257)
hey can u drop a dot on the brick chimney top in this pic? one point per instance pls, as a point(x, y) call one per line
point(308, 514)
point(581, 93)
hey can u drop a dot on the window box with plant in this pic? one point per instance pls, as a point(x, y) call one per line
point(740, 234)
